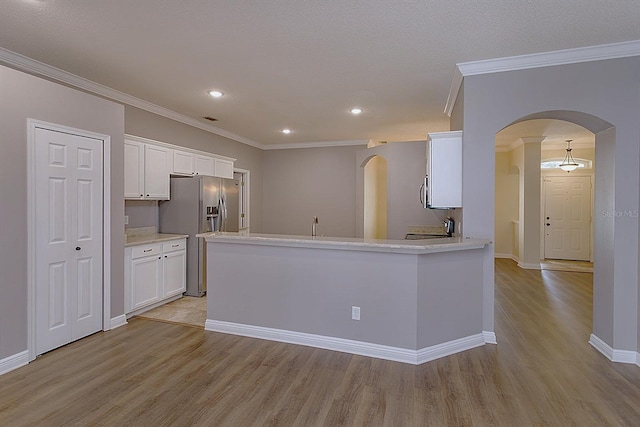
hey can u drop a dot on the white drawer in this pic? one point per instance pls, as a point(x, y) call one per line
point(146, 250)
point(174, 245)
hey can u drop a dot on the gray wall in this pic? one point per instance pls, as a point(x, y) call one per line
point(406, 167)
point(148, 125)
point(21, 97)
point(406, 301)
point(300, 183)
point(590, 94)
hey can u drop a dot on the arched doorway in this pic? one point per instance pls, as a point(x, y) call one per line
point(375, 198)
point(527, 157)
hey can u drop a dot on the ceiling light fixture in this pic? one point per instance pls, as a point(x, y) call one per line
point(286, 131)
point(568, 164)
point(215, 93)
point(356, 110)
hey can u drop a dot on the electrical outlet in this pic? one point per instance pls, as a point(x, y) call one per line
point(355, 313)
point(126, 219)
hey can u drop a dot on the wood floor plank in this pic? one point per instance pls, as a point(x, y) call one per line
point(148, 373)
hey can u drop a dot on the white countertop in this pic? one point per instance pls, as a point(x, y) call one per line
point(350, 244)
point(148, 235)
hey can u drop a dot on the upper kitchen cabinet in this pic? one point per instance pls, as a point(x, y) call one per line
point(146, 171)
point(186, 163)
point(205, 165)
point(224, 168)
point(443, 182)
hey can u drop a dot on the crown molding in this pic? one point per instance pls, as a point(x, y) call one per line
point(456, 83)
point(31, 66)
point(318, 144)
point(539, 60)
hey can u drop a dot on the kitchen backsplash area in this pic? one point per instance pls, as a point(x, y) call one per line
point(141, 213)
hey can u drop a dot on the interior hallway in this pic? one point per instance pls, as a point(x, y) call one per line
point(542, 372)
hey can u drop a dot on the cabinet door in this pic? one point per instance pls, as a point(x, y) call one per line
point(183, 163)
point(156, 172)
point(224, 168)
point(133, 170)
point(204, 165)
point(175, 273)
point(145, 281)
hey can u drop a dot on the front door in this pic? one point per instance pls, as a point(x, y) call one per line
point(567, 218)
point(68, 256)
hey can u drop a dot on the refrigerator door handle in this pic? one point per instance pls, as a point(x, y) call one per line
point(224, 215)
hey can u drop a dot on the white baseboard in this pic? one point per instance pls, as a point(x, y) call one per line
point(379, 351)
point(118, 321)
point(529, 265)
point(620, 356)
point(501, 255)
point(489, 337)
point(14, 362)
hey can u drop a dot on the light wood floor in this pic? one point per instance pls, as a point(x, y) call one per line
point(148, 373)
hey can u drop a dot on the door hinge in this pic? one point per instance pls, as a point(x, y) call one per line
point(242, 183)
point(241, 215)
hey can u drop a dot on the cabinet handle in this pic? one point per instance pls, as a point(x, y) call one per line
point(147, 250)
point(175, 246)
point(142, 195)
point(147, 195)
point(78, 248)
point(159, 257)
point(165, 256)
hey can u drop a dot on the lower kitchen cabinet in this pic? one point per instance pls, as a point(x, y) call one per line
point(153, 273)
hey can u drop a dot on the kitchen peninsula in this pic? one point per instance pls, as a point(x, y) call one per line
point(406, 300)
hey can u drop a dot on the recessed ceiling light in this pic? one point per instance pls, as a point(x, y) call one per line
point(286, 131)
point(215, 93)
point(356, 110)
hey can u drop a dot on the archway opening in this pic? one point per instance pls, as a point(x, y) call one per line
point(375, 198)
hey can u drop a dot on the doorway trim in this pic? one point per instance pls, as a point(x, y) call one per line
point(246, 175)
point(32, 125)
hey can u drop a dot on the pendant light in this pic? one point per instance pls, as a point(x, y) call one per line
point(568, 164)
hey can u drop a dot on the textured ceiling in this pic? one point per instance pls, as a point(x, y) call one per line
point(301, 64)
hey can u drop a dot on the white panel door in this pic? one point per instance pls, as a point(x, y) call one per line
point(567, 218)
point(68, 215)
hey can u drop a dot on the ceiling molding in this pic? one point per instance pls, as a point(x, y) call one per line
point(31, 66)
point(319, 144)
point(539, 60)
point(456, 83)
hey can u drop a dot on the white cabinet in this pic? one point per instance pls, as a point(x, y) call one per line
point(443, 182)
point(153, 273)
point(174, 263)
point(133, 170)
point(204, 165)
point(183, 163)
point(146, 172)
point(224, 168)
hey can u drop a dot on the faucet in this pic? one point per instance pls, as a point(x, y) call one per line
point(314, 223)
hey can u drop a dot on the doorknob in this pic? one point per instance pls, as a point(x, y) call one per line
point(78, 248)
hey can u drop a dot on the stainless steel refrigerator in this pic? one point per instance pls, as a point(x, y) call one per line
point(198, 205)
